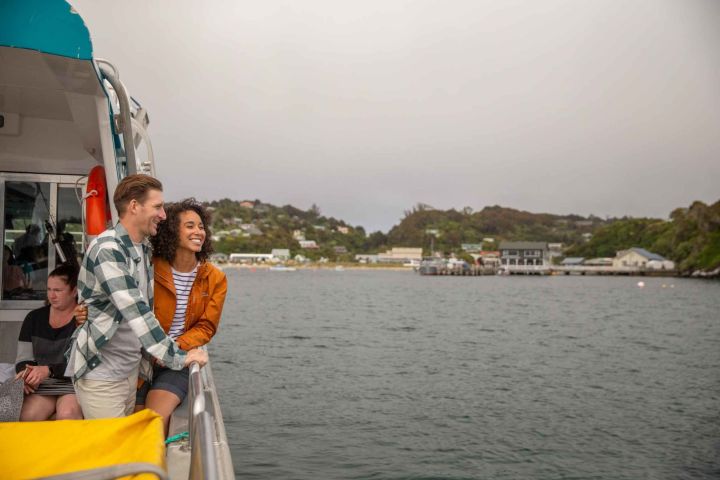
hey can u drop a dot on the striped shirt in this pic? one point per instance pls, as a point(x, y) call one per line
point(183, 284)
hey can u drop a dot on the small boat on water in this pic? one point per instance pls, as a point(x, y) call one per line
point(282, 268)
point(65, 114)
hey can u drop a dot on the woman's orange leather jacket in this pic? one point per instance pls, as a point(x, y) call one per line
point(205, 302)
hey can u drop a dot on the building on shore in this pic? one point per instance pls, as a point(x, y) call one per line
point(250, 257)
point(401, 255)
point(471, 247)
point(488, 258)
point(366, 258)
point(219, 258)
point(281, 254)
point(599, 262)
point(524, 254)
point(554, 250)
point(641, 259)
point(275, 256)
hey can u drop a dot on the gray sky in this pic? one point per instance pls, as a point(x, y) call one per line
point(365, 108)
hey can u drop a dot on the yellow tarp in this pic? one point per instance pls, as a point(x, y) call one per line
point(36, 449)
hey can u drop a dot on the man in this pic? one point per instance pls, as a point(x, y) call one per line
point(116, 283)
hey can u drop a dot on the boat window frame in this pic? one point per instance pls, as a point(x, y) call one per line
point(55, 180)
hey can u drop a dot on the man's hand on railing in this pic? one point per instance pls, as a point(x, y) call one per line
point(196, 355)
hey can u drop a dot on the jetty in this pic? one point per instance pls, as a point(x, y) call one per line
point(473, 270)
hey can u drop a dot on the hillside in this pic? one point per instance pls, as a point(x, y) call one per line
point(254, 226)
point(451, 228)
point(691, 237)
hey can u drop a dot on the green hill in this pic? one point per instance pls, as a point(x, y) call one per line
point(451, 228)
point(691, 237)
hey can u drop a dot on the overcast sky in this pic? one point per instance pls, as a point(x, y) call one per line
point(368, 107)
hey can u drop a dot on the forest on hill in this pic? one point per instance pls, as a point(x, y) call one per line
point(690, 237)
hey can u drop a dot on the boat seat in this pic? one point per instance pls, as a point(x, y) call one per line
point(88, 449)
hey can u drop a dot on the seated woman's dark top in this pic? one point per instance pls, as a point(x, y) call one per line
point(41, 344)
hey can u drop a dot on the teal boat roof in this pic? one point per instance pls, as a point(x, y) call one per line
point(48, 26)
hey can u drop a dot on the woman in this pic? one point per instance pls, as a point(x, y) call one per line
point(189, 297)
point(44, 336)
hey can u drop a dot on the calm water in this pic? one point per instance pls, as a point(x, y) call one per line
point(388, 375)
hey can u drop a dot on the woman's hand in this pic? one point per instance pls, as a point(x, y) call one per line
point(196, 355)
point(81, 314)
point(32, 376)
point(36, 375)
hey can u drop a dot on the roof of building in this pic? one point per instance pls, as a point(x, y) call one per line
point(523, 246)
point(648, 255)
point(642, 252)
point(573, 260)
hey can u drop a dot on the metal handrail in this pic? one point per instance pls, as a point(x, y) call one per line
point(203, 464)
point(197, 397)
point(110, 74)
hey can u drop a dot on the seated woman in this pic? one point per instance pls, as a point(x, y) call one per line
point(44, 336)
point(189, 296)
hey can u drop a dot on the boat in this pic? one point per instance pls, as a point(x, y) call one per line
point(64, 114)
point(431, 266)
point(282, 268)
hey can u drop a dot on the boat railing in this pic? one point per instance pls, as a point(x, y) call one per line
point(110, 73)
point(210, 453)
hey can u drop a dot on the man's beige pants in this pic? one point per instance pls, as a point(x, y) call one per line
point(107, 399)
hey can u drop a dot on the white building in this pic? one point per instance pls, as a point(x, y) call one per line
point(308, 244)
point(400, 255)
point(641, 259)
point(364, 258)
point(281, 254)
point(249, 257)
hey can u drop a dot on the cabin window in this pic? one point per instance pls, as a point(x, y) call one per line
point(32, 206)
point(25, 248)
point(69, 224)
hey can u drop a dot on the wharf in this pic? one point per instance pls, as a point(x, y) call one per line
point(475, 271)
point(472, 271)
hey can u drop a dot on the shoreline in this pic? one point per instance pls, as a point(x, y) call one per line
point(330, 266)
point(399, 268)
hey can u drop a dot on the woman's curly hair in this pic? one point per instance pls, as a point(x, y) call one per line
point(166, 241)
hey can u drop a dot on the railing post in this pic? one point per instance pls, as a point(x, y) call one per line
point(197, 397)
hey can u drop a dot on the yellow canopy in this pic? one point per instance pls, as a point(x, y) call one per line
point(39, 449)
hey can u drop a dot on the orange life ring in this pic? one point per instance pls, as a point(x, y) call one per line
point(97, 211)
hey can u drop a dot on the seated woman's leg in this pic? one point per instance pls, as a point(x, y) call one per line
point(68, 408)
point(37, 408)
point(163, 403)
point(168, 390)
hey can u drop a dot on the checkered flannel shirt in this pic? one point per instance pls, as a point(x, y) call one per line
point(108, 284)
